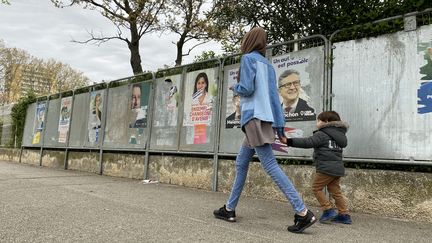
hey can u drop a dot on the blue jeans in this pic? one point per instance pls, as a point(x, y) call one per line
point(268, 162)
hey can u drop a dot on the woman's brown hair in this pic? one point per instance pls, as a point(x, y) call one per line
point(329, 116)
point(255, 39)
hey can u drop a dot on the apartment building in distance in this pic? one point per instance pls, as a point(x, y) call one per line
point(22, 78)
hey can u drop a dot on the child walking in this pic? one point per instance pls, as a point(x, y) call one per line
point(328, 142)
point(261, 114)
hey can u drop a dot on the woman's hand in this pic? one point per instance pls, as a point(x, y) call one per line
point(283, 140)
point(281, 134)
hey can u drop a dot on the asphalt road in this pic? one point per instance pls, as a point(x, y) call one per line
point(46, 205)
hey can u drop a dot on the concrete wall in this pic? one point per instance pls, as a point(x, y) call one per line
point(123, 165)
point(260, 185)
point(53, 159)
point(405, 195)
point(30, 156)
point(84, 161)
point(9, 154)
point(184, 171)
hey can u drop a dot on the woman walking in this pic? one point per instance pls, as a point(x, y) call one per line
point(261, 115)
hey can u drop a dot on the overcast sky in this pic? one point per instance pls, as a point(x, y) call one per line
point(45, 31)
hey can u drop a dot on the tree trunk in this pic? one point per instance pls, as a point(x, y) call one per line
point(133, 45)
point(180, 44)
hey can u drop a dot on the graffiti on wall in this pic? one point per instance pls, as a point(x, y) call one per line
point(424, 92)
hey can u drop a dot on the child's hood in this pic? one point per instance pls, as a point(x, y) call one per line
point(336, 130)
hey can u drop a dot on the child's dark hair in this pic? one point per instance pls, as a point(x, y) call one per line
point(329, 116)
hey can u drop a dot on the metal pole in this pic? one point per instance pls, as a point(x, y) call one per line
point(326, 81)
point(15, 137)
point(104, 115)
point(296, 35)
point(68, 132)
point(86, 138)
point(21, 150)
point(149, 125)
point(217, 133)
point(181, 107)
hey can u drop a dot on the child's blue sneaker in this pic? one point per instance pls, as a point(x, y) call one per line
point(328, 215)
point(343, 219)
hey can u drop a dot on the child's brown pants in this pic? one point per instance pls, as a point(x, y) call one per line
point(332, 182)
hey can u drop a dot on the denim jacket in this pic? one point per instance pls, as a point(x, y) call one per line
point(258, 91)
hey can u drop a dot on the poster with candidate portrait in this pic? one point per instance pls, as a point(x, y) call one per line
point(233, 111)
point(293, 75)
point(95, 116)
point(200, 95)
point(300, 79)
point(64, 119)
point(39, 122)
point(165, 114)
point(167, 101)
point(138, 111)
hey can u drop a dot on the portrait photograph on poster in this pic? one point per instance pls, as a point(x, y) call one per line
point(293, 85)
point(95, 116)
point(138, 106)
point(233, 111)
point(39, 122)
point(200, 93)
point(138, 109)
point(64, 119)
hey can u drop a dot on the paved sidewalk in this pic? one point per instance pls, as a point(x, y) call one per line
point(46, 205)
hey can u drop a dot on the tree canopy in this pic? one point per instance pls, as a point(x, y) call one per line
point(190, 20)
point(284, 18)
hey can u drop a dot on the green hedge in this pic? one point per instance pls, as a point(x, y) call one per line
point(18, 116)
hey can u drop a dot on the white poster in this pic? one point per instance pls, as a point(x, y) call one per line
point(64, 119)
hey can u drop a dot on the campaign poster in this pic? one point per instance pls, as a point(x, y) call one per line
point(139, 105)
point(64, 119)
point(167, 102)
point(200, 96)
point(166, 113)
point(138, 111)
point(95, 116)
point(39, 122)
point(294, 86)
point(233, 111)
point(424, 92)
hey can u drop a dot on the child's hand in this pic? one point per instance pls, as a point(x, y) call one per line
point(289, 142)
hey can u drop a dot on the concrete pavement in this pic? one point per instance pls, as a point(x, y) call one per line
point(46, 205)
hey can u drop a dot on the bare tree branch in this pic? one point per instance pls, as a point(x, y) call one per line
point(190, 49)
point(99, 40)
